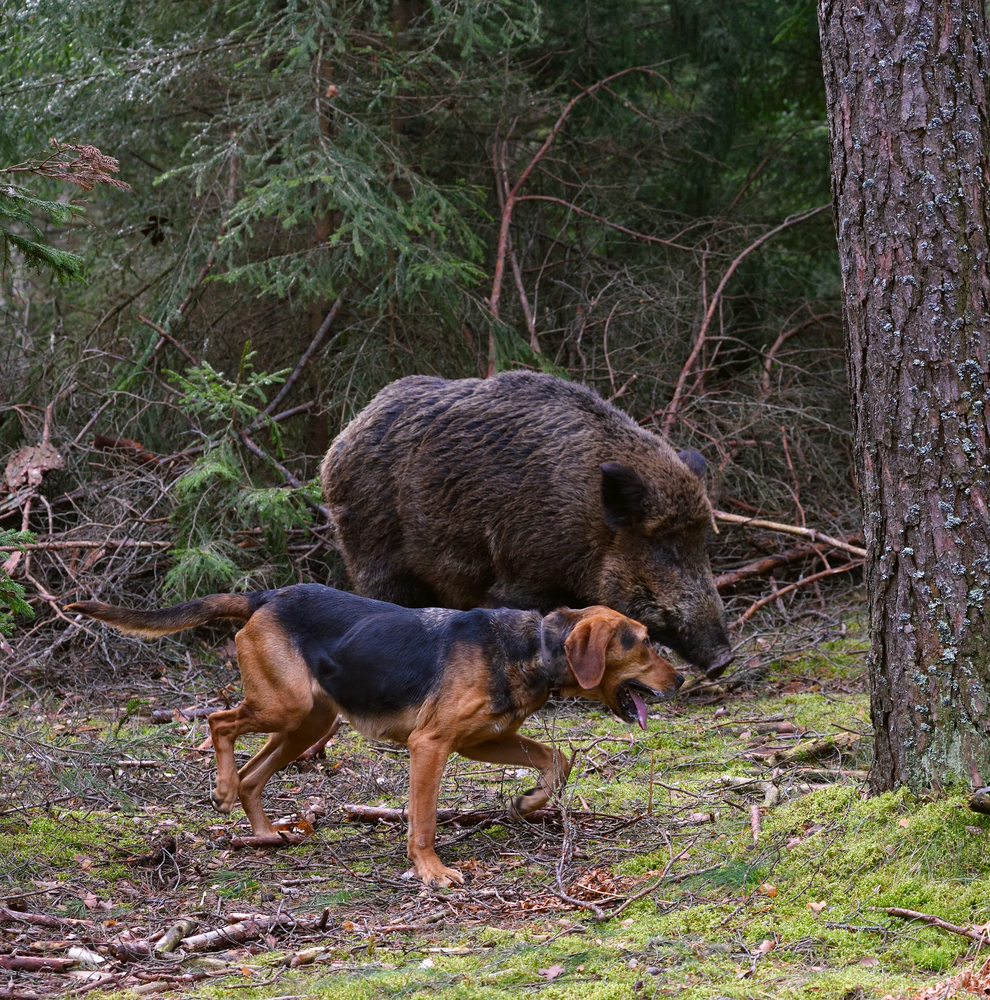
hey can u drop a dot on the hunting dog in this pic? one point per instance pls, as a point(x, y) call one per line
point(436, 680)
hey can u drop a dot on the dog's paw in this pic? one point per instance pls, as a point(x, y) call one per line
point(521, 806)
point(221, 802)
point(435, 873)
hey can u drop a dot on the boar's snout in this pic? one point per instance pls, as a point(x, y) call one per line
point(705, 647)
point(717, 667)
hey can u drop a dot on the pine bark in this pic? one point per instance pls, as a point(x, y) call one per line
point(909, 133)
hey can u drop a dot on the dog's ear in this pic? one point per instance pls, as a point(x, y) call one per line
point(585, 648)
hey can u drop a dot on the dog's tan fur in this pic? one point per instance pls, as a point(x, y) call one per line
point(602, 652)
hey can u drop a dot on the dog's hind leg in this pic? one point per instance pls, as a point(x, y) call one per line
point(280, 750)
point(320, 745)
point(278, 699)
point(520, 751)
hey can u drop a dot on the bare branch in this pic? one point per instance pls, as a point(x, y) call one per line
point(791, 529)
point(699, 343)
point(309, 352)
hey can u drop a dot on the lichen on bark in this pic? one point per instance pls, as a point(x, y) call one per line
point(909, 134)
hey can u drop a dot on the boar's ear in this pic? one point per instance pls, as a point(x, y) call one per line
point(694, 460)
point(624, 495)
point(585, 648)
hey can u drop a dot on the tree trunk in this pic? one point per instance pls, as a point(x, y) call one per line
point(909, 136)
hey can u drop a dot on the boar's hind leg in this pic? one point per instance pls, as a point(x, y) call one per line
point(520, 751)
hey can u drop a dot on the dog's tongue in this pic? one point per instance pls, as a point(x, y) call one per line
point(640, 708)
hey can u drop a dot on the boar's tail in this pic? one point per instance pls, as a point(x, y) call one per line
point(152, 624)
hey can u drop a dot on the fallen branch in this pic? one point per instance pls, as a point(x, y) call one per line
point(817, 749)
point(804, 581)
point(755, 823)
point(791, 529)
point(171, 939)
point(771, 793)
point(283, 839)
point(125, 543)
point(160, 716)
point(36, 963)
point(40, 919)
point(245, 930)
point(766, 565)
point(383, 814)
point(973, 932)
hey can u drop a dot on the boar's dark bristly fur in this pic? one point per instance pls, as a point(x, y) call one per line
point(526, 491)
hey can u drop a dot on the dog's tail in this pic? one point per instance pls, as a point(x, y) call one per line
point(152, 624)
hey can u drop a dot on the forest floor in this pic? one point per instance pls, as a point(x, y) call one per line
point(658, 875)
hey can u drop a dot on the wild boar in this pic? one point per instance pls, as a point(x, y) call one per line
point(526, 491)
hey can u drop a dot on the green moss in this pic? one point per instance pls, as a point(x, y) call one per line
point(695, 938)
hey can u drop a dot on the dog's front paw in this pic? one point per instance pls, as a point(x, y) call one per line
point(435, 873)
point(222, 801)
point(522, 805)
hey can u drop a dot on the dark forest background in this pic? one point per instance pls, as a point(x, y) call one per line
point(285, 159)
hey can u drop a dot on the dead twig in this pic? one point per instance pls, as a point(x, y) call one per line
point(756, 605)
point(124, 543)
point(655, 884)
point(307, 354)
point(191, 358)
point(512, 195)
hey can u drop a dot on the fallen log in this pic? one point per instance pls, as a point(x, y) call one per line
point(244, 930)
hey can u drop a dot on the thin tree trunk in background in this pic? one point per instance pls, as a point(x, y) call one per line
point(908, 126)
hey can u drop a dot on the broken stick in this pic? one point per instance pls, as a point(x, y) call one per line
point(972, 932)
